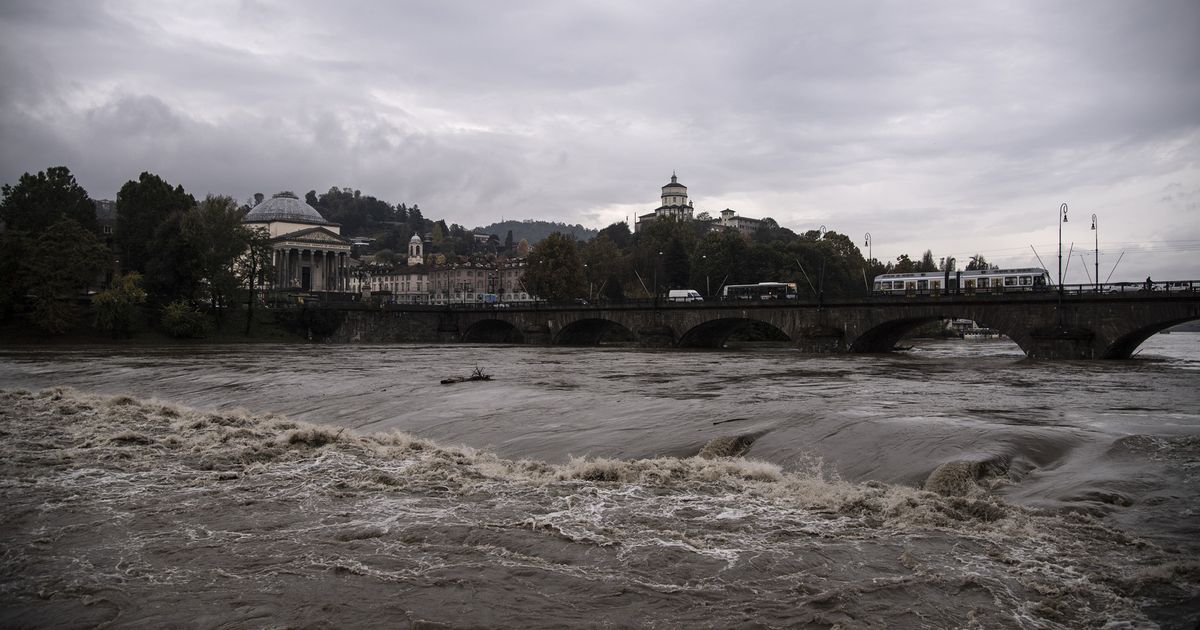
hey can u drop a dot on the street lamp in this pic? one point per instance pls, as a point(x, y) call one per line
point(822, 231)
point(870, 257)
point(707, 286)
point(1096, 229)
point(1062, 212)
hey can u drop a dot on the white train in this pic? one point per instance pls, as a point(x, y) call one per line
point(978, 281)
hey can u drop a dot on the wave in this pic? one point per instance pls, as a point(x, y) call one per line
point(686, 540)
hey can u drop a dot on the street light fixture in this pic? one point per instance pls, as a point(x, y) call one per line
point(870, 257)
point(822, 231)
point(1062, 212)
point(1096, 229)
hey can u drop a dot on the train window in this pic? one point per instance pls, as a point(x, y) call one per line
point(910, 285)
point(1010, 281)
point(970, 284)
point(879, 285)
point(983, 283)
point(935, 284)
point(922, 285)
point(1026, 281)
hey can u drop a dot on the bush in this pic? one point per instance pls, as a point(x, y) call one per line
point(181, 321)
point(116, 307)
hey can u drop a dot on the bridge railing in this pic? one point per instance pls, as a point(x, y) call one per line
point(341, 300)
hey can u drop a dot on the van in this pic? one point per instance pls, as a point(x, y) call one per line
point(684, 295)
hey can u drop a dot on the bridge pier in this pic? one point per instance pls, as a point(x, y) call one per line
point(1059, 343)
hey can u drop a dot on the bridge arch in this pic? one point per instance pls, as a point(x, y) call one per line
point(884, 336)
point(1124, 346)
point(492, 331)
point(593, 331)
point(716, 333)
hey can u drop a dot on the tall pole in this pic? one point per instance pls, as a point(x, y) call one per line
point(870, 256)
point(1062, 212)
point(1096, 229)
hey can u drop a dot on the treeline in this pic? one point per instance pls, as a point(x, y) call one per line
point(168, 254)
point(668, 254)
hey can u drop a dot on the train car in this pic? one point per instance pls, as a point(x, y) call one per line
point(975, 281)
point(760, 291)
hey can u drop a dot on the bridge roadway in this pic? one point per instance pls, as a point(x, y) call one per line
point(1043, 324)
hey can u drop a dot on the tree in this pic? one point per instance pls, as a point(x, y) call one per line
point(256, 267)
point(38, 201)
point(904, 264)
point(618, 233)
point(116, 307)
point(61, 263)
point(927, 263)
point(508, 241)
point(214, 231)
point(172, 271)
point(141, 207)
point(602, 263)
point(523, 249)
point(555, 272)
point(978, 263)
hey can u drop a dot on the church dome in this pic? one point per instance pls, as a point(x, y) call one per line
point(285, 207)
point(414, 239)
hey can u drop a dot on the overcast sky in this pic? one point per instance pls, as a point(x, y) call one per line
point(954, 126)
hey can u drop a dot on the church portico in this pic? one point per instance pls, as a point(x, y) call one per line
point(310, 254)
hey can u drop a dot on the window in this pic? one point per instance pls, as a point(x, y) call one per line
point(1010, 281)
point(922, 285)
point(1026, 281)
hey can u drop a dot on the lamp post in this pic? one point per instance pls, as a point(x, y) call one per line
point(707, 285)
point(822, 231)
point(1062, 213)
point(657, 262)
point(1096, 229)
point(870, 257)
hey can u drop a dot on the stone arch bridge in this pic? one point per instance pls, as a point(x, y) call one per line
point(1045, 326)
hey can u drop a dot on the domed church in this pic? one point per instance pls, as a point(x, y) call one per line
point(310, 252)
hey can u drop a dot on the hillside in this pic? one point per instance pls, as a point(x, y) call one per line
point(534, 231)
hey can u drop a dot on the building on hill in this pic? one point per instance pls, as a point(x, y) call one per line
point(730, 221)
point(310, 254)
point(674, 205)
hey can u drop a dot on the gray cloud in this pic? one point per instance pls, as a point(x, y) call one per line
point(956, 127)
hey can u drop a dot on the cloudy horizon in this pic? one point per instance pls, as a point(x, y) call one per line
point(954, 127)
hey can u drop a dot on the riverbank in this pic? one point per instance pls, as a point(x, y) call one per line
point(138, 513)
point(266, 327)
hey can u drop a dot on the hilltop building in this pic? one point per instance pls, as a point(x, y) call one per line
point(310, 254)
point(675, 205)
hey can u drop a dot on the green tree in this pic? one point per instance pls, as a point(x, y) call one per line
point(255, 268)
point(116, 306)
point(214, 231)
point(141, 207)
point(38, 201)
point(927, 263)
point(904, 264)
point(173, 270)
point(60, 264)
point(604, 267)
point(719, 259)
point(978, 263)
point(555, 271)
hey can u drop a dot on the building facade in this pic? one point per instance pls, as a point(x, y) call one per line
point(310, 254)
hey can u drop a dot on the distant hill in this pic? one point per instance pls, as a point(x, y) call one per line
point(534, 231)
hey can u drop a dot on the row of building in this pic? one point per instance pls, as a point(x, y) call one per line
point(311, 254)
